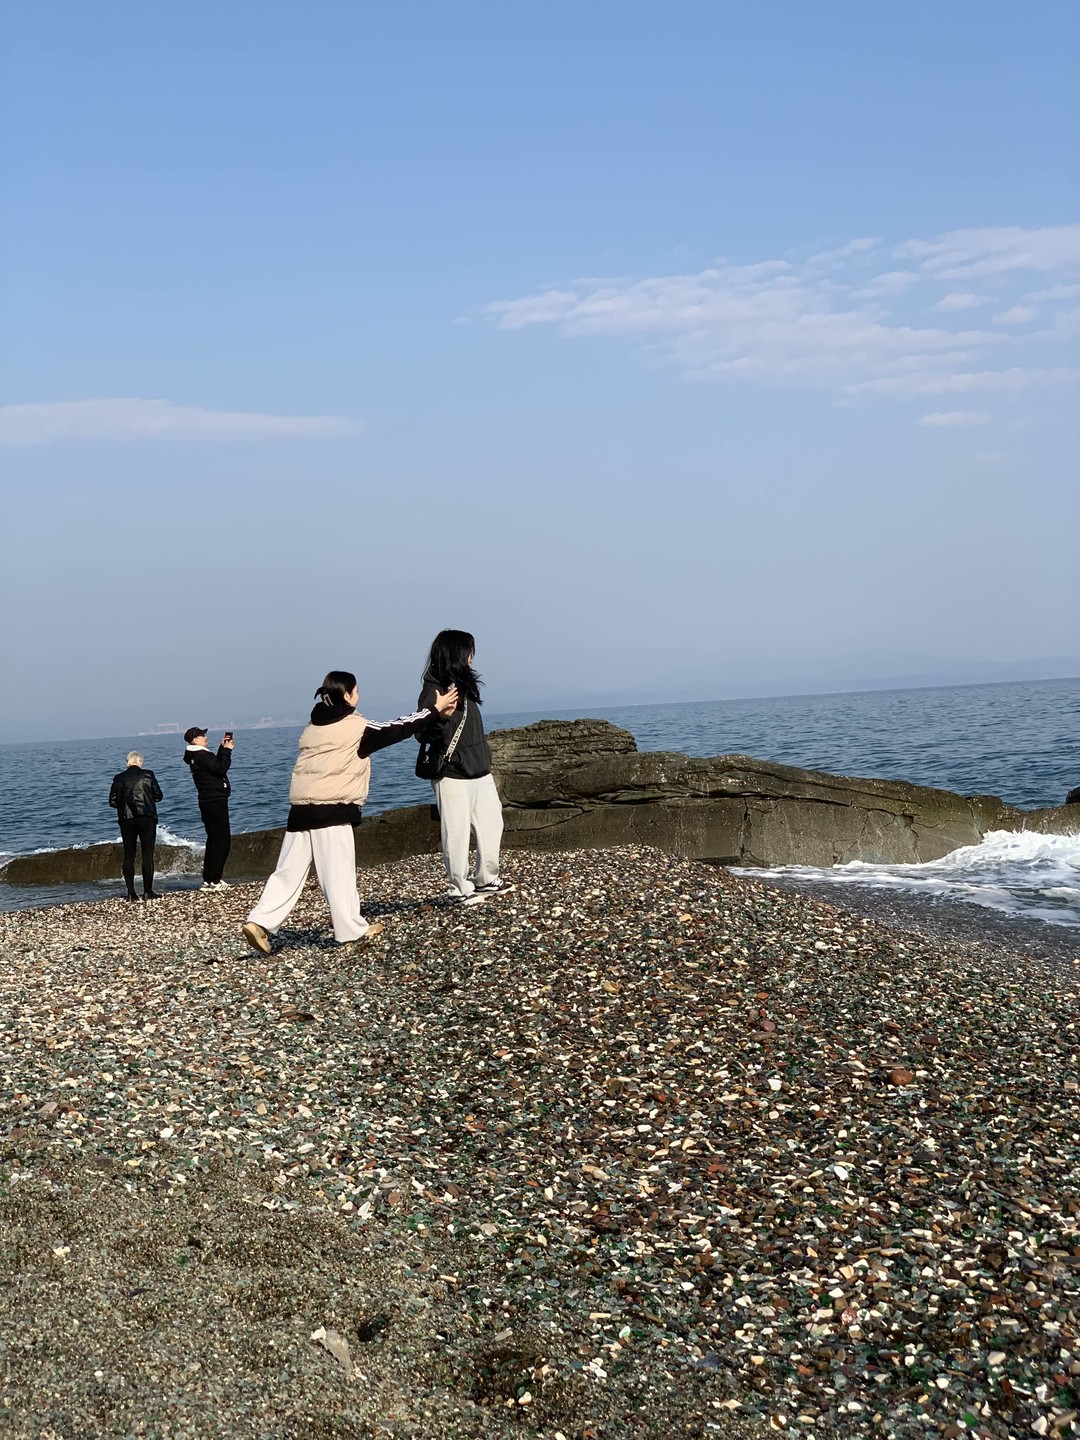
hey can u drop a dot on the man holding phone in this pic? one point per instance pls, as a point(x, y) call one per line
point(211, 775)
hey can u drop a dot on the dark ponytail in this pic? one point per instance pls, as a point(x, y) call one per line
point(335, 687)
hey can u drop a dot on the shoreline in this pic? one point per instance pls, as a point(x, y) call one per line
point(950, 921)
point(947, 920)
point(636, 1149)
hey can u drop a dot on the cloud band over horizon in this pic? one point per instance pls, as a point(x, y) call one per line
point(132, 419)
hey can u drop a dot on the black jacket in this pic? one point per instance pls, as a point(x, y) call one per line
point(209, 771)
point(472, 757)
point(134, 794)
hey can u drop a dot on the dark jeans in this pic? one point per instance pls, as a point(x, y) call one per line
point(215, 816)
point(143, 830)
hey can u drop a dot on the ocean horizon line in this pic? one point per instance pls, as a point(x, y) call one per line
point(558, 708)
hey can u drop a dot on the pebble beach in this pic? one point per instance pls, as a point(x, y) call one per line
point(638, 1149)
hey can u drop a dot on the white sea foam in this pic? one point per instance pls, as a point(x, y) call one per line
point(164, 837)
point(1036, 877)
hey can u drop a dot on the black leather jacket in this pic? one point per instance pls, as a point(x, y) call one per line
point(134, 794)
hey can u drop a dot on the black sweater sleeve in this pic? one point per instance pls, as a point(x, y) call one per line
point(379, 734)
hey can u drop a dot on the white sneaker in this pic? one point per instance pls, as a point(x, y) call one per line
point(474, 899)
point(497, 887)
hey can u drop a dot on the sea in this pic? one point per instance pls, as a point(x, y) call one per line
point(1018, 741)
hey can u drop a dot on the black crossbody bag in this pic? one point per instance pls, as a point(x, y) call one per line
point(432, 761)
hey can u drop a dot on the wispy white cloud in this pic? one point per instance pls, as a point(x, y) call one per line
point(842, 320)
point(1015, 315)
point(948, 419)
point(1065, 326)
point(892, 282)
point(992, 252)
point(924, 382)
point(1056, 292)
point(835, 258)
point(960, 300)
point(127, 419)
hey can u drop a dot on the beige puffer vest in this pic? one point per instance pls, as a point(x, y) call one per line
point(328, 771)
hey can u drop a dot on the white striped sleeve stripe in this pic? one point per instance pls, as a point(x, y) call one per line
point(401, 720)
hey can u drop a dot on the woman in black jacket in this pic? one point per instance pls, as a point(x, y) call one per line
point(465, 787)
point(134, 796)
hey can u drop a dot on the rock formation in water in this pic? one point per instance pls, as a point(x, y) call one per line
point(570, 784)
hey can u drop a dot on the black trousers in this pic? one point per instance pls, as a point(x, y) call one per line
point(144, 831)
point(215, 816)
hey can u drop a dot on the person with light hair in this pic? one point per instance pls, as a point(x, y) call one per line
point(134, 796)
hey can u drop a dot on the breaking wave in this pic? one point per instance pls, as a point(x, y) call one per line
point(1022, 874)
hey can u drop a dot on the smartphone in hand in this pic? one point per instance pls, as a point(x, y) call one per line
point(228, 735)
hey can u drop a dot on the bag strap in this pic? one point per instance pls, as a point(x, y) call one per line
point(457, 733)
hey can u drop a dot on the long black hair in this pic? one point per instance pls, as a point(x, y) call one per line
point(448, 664)
point(335, 687)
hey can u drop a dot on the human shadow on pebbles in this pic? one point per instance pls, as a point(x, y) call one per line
point(635, 1150)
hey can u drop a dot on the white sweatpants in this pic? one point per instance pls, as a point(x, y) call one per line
point(469, 806)
point(334, 853)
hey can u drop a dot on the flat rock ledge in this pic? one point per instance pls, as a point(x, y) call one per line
point(576, 784)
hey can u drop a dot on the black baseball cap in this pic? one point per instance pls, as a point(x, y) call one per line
point(192, 734)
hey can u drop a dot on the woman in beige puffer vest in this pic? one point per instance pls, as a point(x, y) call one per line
point(329, 785)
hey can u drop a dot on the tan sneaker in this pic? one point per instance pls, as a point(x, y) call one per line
point(372, 932)
point(257, 937)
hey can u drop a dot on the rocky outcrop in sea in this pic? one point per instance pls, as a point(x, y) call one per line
point(573, 784)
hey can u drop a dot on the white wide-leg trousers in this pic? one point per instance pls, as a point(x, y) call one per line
point(469, 807)
point(334, 852)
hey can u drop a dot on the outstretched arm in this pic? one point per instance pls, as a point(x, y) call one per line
point(378, 735)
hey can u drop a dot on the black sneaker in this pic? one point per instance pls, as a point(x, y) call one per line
point(497, 887)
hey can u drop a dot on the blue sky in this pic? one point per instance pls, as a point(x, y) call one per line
point(677, 351)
